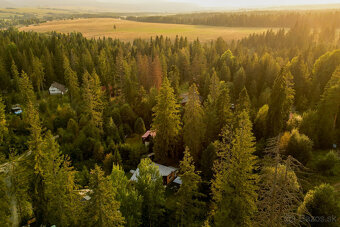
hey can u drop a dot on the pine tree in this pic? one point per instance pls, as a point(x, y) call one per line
point(211, 117)
point(127, 195)
point(223, 106)
point(26, 89)
point(207, 161)
point(3, 123)
point(299, 70)
point(194, 127)
point(150, 186)
point(188, 205)
point(38, 74)
point(328, 111)
point(239, 81)
point(117, 160)
point(234, 184)
point(15, 75)
point(243, 102)
point(156, 73)
point(62, 202)
point(92, 98)
point(281, 101)
point(139, 126)
point(19, 176)
point(166, 121)
point(104, 70)
point(5, 211)
point(103, 207)
point(35, 145)
point(71, 79)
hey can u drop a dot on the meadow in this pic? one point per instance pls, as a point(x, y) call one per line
point(130, 30)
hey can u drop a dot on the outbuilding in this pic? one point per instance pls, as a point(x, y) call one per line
point(168, 173)
point(57, 89)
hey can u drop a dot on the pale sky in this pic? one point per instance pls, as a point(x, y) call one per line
point(254, 3)
point(233, 3)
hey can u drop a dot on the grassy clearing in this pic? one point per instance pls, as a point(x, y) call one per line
point(130, 30)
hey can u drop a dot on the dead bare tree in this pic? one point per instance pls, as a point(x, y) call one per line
point(280, 192)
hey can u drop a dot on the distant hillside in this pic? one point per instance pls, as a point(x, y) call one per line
point(5, 4)
point(122, 6)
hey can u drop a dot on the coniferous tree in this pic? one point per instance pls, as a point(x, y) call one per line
point(234, 184)
point(15, 75)
point(92, 98)
point(243, 102)
point(166, 121)
point(19, 175)
point(210, 109)
point(103, 209)
point(5, 211)
point(328, 112)
point(62, 202)
point(188, 205)
point(156, 73)
point(127, 195)
point(150, 186)
point(207, 161)
point(321, 202)
point(139, 126)
point(224, 113)
point(194, 127)
point(3, 123)
point(38, 74)
point(281, 101)
point(71, 79)
point(299, 70)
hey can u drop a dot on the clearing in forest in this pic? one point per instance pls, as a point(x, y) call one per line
point(129, 30)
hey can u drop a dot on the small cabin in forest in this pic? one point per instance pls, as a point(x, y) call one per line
point(168, 173)
point(148, 136)
point(57, 89)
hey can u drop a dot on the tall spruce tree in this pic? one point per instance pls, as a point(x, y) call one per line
point(3, 123)
point(35, 145)
point(210, 109)
point(234, 184)
point(281, 101)
point(92, 98)
point(71, 79)
point(128, 196)
point(166, 121)
point(5, 211)
point(328, 112)
point(150, 186)
point(103, 207)
point(188, 205)
point(243, 102)
point(194, 127)
point(38, 74)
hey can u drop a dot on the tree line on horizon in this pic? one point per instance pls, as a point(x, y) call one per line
point(320, 19)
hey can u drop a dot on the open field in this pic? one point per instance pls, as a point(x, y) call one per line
point(130, 30)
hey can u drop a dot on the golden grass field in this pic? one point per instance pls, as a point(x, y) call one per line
point(130, 30)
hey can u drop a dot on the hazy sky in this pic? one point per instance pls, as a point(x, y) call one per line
point(235, 3)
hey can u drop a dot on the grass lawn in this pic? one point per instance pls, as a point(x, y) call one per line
point(130, 30)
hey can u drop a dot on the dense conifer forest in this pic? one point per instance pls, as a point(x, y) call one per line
point(265, 18)
point(252, 126)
